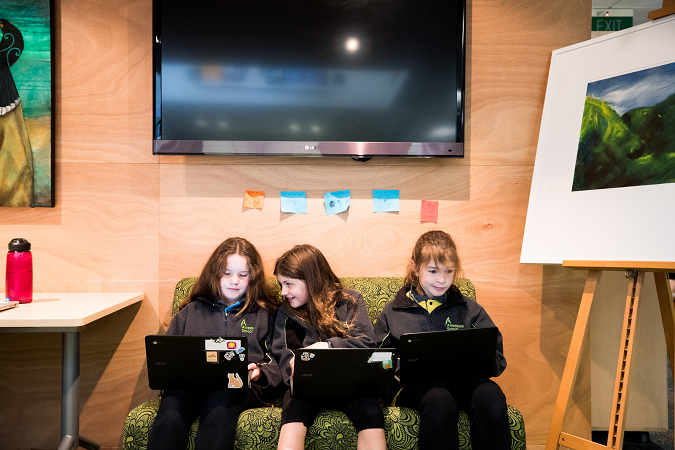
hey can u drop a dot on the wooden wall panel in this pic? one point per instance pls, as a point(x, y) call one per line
point(102, 236)
point(128, 220)
point(509, 50)
point(104, 76)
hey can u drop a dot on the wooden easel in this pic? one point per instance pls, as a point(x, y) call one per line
point(636, 272)
point(667, 9)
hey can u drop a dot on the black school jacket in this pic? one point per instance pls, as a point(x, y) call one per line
point(291, 333)
point(204, 317)
point(403, 315)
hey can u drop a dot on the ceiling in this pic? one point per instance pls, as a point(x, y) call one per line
point(628, 4)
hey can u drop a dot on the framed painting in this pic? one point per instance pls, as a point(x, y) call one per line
point(604, 174)
point(26, 118)
point(628, 131)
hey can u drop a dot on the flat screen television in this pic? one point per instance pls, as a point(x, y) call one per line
point(309, 77)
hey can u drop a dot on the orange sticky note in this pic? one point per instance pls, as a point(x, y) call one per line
point(429, 211)
point(254, 199)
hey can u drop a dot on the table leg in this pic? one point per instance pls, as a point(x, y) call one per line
point(67, 443)
point(88, 444)
point(70, 385)
point(70, 392)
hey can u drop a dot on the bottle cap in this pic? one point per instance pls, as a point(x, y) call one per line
point(19, 245)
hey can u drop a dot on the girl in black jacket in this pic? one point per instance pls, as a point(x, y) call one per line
point(430, 302)
point(229, 299)
point(318, 313)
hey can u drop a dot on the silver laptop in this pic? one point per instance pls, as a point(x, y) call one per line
point(8, 304)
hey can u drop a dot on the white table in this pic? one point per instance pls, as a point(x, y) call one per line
point(67, 313)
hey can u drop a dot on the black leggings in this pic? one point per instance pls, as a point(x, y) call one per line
point(438, 405)
point(218, 413)
point(364, 413)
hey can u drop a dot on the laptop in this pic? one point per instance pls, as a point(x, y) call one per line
point(448, 356)
point(186, 362)
point(343, 373)
point(8, 304)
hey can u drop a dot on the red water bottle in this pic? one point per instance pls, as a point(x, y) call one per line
point(19, 275)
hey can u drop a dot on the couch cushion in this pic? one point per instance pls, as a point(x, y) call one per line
point(258, 429)
point(376, 291)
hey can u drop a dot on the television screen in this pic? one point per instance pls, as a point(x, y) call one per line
point(309, 77)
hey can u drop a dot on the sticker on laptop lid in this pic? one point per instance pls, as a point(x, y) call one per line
point(212, 357)
point(222, 344)
point(234, 381)
point(306, 356)
point(379, 357)
point(229, 355)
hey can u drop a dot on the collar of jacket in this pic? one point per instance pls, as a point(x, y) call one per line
point(452, 297)
point(222, 307)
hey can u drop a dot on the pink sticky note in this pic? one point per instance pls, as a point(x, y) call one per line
point(254, 199)
point(429, 211)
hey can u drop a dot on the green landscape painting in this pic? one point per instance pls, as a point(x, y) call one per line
point(628, 131)
point(26, 129)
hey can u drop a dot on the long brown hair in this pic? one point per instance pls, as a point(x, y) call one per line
point(208, 284)
point(433, 245)
point(307, 263)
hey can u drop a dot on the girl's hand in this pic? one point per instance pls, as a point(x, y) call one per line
point(255, 371)
point(292, 364)
point(318, 345)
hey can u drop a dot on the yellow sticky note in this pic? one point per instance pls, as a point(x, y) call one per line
point(254, 199)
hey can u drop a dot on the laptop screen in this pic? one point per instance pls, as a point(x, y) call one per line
point(343, 373)
point(186, 362)
point(448, 356)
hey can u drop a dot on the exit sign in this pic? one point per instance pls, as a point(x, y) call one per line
point(611, 23)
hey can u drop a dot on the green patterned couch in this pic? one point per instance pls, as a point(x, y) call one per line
point(259, 428)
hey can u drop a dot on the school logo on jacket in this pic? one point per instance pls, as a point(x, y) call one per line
point(451, 326)
point(245, 328)
point(234, 381)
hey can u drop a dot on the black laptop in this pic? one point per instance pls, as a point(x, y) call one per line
point(448, 356)
point(343, 373)
point(187, 362)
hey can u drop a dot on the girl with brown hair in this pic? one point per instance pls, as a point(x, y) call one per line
point(229, 299)
point(318, 313)
point(429, 301)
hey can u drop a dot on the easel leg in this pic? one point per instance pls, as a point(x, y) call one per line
point(665, 297)
point(618, 417)
point(573, 358)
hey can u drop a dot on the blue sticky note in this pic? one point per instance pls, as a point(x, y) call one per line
point(336, 202)
point(385, 200)
point(294, 202)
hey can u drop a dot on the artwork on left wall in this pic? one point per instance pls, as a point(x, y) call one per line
point(26, 121)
